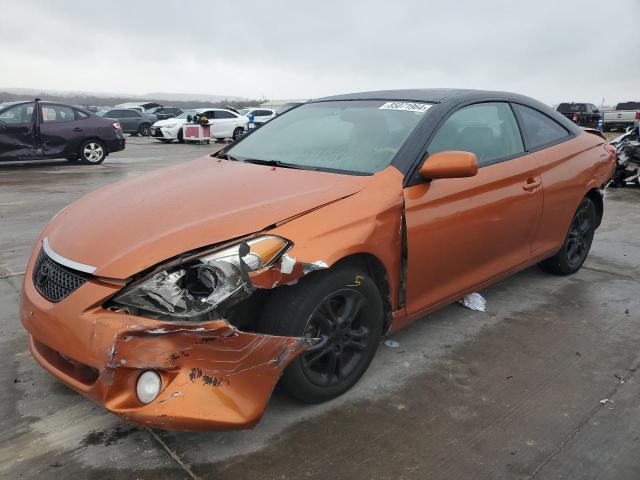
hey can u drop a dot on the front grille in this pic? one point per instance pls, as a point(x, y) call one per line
point(55, 281)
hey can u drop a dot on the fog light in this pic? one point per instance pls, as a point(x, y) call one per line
point(148, 386)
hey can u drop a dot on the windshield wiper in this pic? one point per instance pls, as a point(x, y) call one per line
point(277, 163)
point(225, 156)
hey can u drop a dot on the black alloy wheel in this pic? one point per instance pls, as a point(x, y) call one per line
point(575, 249)
point(345, 334)
point(580, 236)
point(341, 307)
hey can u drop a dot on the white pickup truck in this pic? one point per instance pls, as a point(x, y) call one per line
point(624, 115)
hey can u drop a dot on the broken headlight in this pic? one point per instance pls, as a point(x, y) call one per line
point(202, 284)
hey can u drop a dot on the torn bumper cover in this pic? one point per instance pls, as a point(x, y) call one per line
point(213, 377)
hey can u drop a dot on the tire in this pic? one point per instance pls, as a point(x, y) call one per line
point(92, 152)
point(313, 308)
point(180, 137)
point(237, 133)
point(144, 130)
point(575, 249)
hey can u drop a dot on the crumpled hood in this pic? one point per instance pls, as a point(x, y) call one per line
point(126, 227)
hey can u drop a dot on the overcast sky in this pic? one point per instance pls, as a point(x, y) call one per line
point(553, 50)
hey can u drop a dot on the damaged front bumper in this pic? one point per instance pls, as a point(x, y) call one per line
point(214, 377)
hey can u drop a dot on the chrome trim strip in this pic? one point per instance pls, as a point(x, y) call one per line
point(81, 267)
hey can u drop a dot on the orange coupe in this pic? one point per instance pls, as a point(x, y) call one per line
point(179, 298)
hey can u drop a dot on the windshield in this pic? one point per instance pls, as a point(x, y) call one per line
point(350, 136)
point(193, 113)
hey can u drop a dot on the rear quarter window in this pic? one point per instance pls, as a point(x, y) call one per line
point(538, 129)
point(628, 106)
point(572, 107)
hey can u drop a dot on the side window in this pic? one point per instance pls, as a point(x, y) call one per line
point(81, 115)
point(538, 129)
point(19, 114)
point(113, 114)
point(223, 114)
point(57, 113)
point(211, 114)
point(487, 129)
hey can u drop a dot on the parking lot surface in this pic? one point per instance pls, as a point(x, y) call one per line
point(544, 384)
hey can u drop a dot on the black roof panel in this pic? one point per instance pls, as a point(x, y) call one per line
point(417, 95)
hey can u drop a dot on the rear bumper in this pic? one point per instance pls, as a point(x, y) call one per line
point(116, 144)
point(214, 377)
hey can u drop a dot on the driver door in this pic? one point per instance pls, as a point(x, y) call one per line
point(18, 132)
point(463, 232)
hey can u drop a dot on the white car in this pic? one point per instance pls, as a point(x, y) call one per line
point(260, 115)
point(224, 124)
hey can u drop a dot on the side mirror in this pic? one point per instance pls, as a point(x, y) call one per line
point(449, 164)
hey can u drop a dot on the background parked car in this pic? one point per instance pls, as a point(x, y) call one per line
point(139, 106)
point(582, 114)
point(286, 107)
point(624, 115)
point(260, 115)
point(225, 124)
point(40, 130)
point(132, 121)
point(164, 113)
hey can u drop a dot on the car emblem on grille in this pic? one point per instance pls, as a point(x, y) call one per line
point(42, 275)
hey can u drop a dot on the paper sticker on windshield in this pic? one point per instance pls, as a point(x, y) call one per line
point(407, 107)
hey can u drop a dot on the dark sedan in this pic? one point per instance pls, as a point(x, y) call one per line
point(164, 113)
point(132, 121)
point(41, 130)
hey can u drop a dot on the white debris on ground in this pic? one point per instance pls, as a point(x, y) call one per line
point(474, 301)
point(391, 343)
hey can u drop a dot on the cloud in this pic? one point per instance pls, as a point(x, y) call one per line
point(572, 50)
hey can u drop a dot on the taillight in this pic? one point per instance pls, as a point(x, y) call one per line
point(638, 115)
point(576, 117)
point(116, 125)
point(610, 148)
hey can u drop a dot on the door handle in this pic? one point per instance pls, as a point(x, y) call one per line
point(77, 129)
point(532, 184)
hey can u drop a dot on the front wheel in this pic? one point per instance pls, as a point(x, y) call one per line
point(577, 244)
point(343, 308)
point(92, 152)
point(237, 133)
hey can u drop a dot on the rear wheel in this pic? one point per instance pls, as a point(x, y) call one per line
point(144, 130)
point(576, 245)
point(343, 308)
point(92, 152)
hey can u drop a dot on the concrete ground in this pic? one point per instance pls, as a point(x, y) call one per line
point(544, 385)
